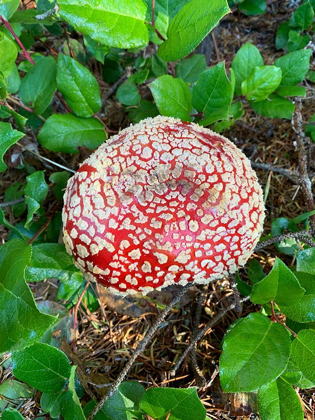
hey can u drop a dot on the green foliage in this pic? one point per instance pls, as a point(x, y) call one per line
point(11, 414)
point(8, 54)
point(36, 191)
point(261, 82)
point(8, 137)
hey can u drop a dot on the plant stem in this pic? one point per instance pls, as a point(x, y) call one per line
point(9, 27)
point(140, 348)
point(276, 319)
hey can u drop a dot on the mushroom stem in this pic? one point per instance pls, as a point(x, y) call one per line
point(203, 332)
point(140, 348)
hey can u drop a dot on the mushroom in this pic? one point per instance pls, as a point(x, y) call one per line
point(162, 202)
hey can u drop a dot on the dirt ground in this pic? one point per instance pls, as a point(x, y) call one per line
point(105, 338)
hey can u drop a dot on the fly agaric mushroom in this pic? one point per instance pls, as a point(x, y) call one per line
point(162, 202)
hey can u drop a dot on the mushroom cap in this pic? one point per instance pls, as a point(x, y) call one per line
point(162, 202)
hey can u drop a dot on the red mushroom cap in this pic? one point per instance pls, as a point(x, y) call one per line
point(162, 202)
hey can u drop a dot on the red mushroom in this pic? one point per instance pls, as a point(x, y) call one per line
point(162, 202)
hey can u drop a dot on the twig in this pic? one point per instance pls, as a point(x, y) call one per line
point(12, 203)
point(75, 312)
point(114, 87)
point(293, 176)
point(46, 159)
point(305, 181)
point(199, 378)
point(237, 296)
point(216, 47)
point(41, 230)
point(203, 332)
point(48, 13)
point(303, 236)
point(9, 27)
point(19, 103)
point(140, 348)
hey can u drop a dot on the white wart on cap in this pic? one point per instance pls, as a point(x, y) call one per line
point(162, 202)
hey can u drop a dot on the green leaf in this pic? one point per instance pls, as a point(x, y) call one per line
point(282, 36)
point(303, 17)
point(128, 93)
point(4, 222)
point(255, 352)
point(159, 67)
point(78, 86)
point(13, 81)
point(292, 91)
point(8, 54)
point(117, 24)
point(8, 137)
point(50, 403)
point(280, 286)
point(305, 261)
point(11, 414)
point(261, 82)
point(253, 7)
point(304, 310)
point(303, 353)
point(51, 261)
point(190, 68)
point(183, 404)
point(8, 7)
point(294, 67)
point(311, 76)
point(246, 59)
point(120, 406)
point(14, 192)
point(213, 94)
point(96, 48)
point(190, 26)
point(66, 132)
point(36, 191)
point(43, 367)
point(172, 97)
point(274, 107)
point(292, 373)
point(21, 322)
point(60, 179)
point(39, 85)
point(161, 19)
point(297, 41)
point(69, 402)
point(146, 109)
point(279, 401)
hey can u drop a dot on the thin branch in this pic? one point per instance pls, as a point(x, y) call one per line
point(203, 332)
point(12, 203)
point(140, 348)
point(291, 175)
point(303, 236)
point(114, 87)
point(9, 27)
point(297, 125)
point(48, 13)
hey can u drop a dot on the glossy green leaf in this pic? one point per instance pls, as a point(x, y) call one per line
point(261, 82)
point(70, 406)
point(282, 36)
point(22, 323)
point(303, 353)
point(78, 86)
point(44, 367)
point(294, 67)
point(190, 68)
point(8, 7)
point(279, 401)
point(8, 137)
point(120, 406)
point(8, 54)
point(66, 132)
point(306, 261)
point(292, 91)
point(159, 67)
point(39, 85)
point(144, 110)
point(60, 180)
point(280, 286)
point(311, 76)
point(11, 414)
point(303, 17)
point(213, 94)
point(190, 26)
point(13, 81)
point(128, 93)
point(96, 48)
point(161, 19)
point(246, 59)
point(304, 310)
point(116, 24)
point(253, 7)
point(36, 190)
point(274, 107)
point(172, 97)
point(297, 41)
point(255, 352)
point(183, 404)
point(51, 261)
